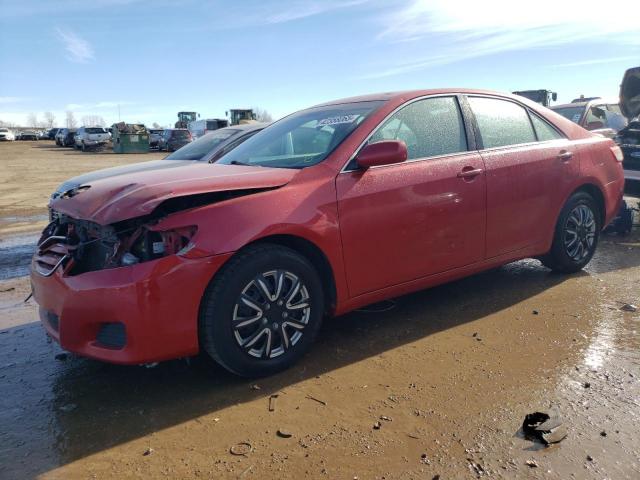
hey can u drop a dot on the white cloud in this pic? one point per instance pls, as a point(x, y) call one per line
point(78, 49)
point(597, 61)
point(469, 30)
point(306, 9)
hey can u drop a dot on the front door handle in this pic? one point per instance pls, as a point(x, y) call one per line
point(565, 155)
point(469, 172)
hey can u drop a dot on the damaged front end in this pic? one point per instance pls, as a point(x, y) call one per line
point(80, 246)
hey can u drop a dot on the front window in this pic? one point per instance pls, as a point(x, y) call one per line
point(199, 149)
point(570, 113)
point(302, 139)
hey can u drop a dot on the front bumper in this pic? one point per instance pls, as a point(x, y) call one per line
point(151, 307)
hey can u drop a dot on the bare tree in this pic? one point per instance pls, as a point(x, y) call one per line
point(93, 121)
point(156, 125)
point(71, 120)
point(32, 120)
point(262, 115)
point(49, 119)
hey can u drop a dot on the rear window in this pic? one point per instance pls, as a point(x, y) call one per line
point(95, 130)
point(4, 130)
point(570, 113)
point(180, 134)
point(501, 123)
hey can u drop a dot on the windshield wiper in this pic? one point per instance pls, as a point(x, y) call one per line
point(238, 162)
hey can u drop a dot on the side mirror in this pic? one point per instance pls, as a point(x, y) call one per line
point(554, 96)
point(385, 152)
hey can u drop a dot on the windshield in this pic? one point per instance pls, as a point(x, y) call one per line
point(200, 149)
point(571, 113)
point(4, 130)
point(302, 139)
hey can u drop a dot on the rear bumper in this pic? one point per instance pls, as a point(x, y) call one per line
point(150, 308)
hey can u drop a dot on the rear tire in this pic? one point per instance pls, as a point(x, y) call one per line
point(576, 235)
point(262, 312)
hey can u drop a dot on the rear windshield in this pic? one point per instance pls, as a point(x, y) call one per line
point(201, 148)
point(302, 139)
point(571, 113)
point(180, 134)
point(95, 130)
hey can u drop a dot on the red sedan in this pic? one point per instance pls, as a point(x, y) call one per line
point(329, 209)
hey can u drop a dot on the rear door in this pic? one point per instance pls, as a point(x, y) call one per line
point(424, 216)
point(530, 166)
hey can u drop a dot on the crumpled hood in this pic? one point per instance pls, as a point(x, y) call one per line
point(113, 199)
point(630, 93)
point(121, 170)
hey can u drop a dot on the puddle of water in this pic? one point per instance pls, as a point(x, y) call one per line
point(24, 219)
point(15, 255)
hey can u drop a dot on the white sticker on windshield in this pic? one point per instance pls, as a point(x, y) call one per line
point(337, 120)
point(576, 118)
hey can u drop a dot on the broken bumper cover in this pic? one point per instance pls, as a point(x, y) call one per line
point(130, 315)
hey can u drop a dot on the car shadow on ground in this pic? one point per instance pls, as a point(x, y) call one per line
point(73, 408)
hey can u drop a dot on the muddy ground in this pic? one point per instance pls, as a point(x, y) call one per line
point(449, 374)
point(30, 171)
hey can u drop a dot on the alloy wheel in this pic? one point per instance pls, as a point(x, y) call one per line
point(580, 232)
point(271, 313)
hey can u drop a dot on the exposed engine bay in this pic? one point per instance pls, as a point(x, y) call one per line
point(81, 246)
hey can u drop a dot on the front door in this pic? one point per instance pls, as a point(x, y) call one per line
point(427, 215)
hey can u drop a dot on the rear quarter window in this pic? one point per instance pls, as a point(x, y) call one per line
point(544, 131)
point(501, 123)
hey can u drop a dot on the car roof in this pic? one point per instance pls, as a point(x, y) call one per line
point(408, 94)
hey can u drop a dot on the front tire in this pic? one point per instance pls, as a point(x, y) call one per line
point(576, 235)
point(262, 312)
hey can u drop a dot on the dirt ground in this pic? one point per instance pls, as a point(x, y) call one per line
point(432, 385)
point(31, 171)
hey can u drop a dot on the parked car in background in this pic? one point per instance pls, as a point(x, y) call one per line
point(207, 149)
point(28, 135)
point(43, 135)
point(154, 137)
point(329, 209)
point(596, 115)
point(60, 134)
point(51, 134)
point(66, 137)
point(174, 138)
point(91, 137)
point(6, 135)
point(629, 137)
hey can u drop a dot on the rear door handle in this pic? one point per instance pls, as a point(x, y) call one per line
point(469, 172)
point(565, 155)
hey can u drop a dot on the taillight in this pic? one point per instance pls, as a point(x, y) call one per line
point(617, 152)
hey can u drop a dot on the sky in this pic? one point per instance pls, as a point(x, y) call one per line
point(148, 60)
